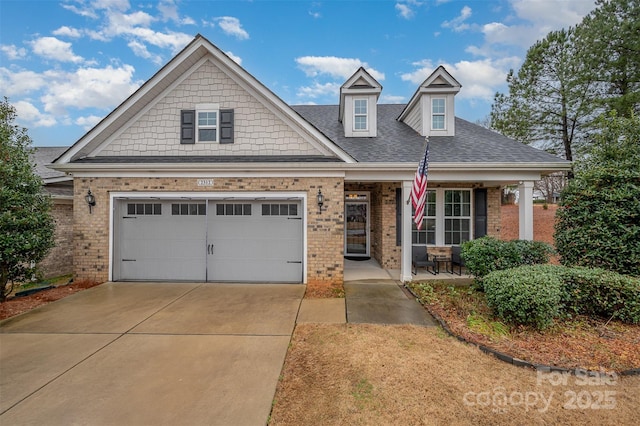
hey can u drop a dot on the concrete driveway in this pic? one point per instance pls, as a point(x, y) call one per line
point(148, 354)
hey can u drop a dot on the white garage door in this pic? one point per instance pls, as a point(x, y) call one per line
point(178, 240)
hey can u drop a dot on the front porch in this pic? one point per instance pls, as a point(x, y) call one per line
point(371, 271)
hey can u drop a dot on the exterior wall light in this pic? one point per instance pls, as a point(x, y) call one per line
point(320, 198)
point(90, 199)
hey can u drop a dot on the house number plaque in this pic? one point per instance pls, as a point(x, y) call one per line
point(205, 182)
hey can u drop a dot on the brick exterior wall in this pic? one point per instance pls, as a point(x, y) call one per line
point(494, 203)
point(325, 231)
point(59, 261)
point(257, 130)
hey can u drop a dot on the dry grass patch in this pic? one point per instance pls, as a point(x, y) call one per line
point(370, 374)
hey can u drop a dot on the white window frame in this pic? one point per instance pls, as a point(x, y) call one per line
point(440, 218)
point(442, 114)
point(460, 216)
point(365, 115)
point(202, 108)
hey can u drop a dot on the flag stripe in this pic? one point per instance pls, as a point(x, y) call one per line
point(419, 188)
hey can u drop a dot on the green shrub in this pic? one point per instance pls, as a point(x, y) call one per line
point(598, 217)
point(598, 292)
point(524, 295)
point(583, 291)
point(487, 254)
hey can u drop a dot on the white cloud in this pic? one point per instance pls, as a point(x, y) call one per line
point(319, 90)
point(424, 68)
point(552, 14)
point(19, 83)
point(81, 10)
point(479, 79)
point(535, 20)
point(236, 59)
point(101, 88)
point(13, 52)
point(231, 26)
point(457, 24)
point(139, 49)
point(27, 113)
point(342, 68)
point(169, 12)
point(405, 11)
point(405, 8)
point(52, 48)
point(87, 122)
point(65, 31)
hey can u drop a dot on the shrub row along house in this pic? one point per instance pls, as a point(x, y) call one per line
point(205, 174)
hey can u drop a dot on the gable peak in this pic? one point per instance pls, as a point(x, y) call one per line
point(441, 79)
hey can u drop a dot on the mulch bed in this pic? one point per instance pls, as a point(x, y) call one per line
point(17, 305)
point(582, 342)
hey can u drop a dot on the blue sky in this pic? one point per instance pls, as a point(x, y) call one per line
point(66, 64)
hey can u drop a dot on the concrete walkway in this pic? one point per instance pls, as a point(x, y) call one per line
point(372, 296)
point(145, 353)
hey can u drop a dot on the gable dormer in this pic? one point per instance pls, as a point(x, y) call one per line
point(358, 105)
point(431, 110)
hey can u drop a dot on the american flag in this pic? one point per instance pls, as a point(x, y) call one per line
point(419, 189)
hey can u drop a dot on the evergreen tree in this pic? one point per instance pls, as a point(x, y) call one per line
point(549, 98)
point(598, 219)
point(608, 41)
point(26, 225)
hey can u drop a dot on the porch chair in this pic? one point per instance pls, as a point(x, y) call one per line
point(420, 259)
point(456, 259)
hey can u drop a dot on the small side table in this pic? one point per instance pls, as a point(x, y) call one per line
point(448, 267)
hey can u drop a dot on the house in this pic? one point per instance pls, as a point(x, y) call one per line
point(59, 186)
point(205, 174)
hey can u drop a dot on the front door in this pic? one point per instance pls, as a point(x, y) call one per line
point(357, 228)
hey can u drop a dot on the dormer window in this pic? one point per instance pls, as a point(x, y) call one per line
point(360, 117)
point(438, 114)
point(358, 111)
point(431, 109)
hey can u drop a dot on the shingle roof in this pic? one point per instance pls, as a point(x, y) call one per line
point(43, 156)
point(397, 142)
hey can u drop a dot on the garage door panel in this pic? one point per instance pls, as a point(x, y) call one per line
point(255, 247)
point(160, 246)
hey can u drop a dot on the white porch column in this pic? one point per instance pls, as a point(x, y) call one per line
point(525, 203)
point(405, 267)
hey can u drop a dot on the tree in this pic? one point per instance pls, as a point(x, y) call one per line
point(549, 98)
point(598, 219)
point(608, 40)
point(26, 224)
point(571, 77)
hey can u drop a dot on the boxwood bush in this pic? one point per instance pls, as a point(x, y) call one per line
point(594, 291)
point(524, 295)
point(536, 295)
point(487, 254)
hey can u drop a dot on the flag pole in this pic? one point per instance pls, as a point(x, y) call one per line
point(424, 149)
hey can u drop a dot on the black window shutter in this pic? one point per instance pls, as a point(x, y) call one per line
point(226, 126)
point(398, 216)
point(187, 126)
point(480, 219)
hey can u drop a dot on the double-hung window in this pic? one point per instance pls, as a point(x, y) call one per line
point(457, 216)
point(207, 125)
point(438, 114)
point(447, 218)
point(360, 114)
point(427, 233)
